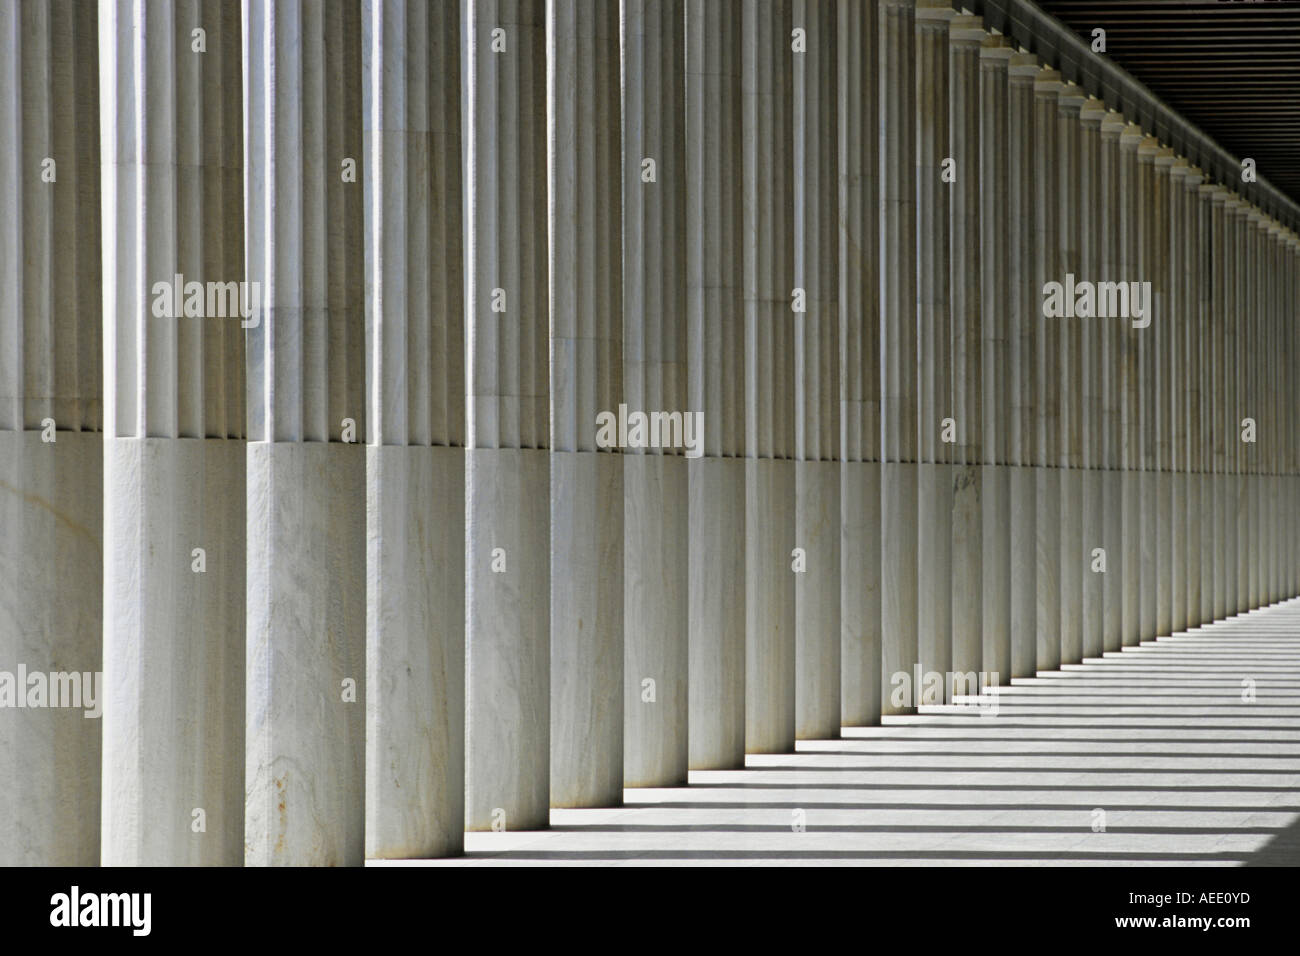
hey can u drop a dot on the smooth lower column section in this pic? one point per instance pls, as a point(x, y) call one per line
point(770, 308)
point(507, 475)
point(898, 377)
point(306, 527)
point(173, 785)
point(816, 377)
point(858, 114)
point(51, 451)
point(584, 192)
point(305, 722)
point(656, 490)
point(716, 383)
point(50, 506)
point(415, 461)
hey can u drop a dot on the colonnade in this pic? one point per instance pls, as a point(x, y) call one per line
point(971, 377)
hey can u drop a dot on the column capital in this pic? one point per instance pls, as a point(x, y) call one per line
point(996, 50)
point(967, 29)
point(1131, 137)
point(1048, 82)
point(1023, 66)
point(1195, 177)
point(1093, 112)
point(1112, 125)
point(1164, 159)
point(1071, 99)
point(934, 11)
point(1147, 149)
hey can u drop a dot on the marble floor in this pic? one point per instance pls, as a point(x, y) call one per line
point(1149, 756)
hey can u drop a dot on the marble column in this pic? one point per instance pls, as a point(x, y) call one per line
point(306, 621)
point(1198, 507)
point(656, 491)
point(814, 118)
point(858, 112)
point(1024, 313)
point(415, 457)
point(967, 338)
point(1256, 451)
point(715, 330)
point(1175, 370)
point(507, 475)
point(1068, 377)
point(1232, 352)
point(1111, 214)
point(173, 787)
point(996, 297)
point(936, 421)
point(771, 303)
point(1047, 479)
point(1131, 196)
point(1219, 410)
point(1093, 336)
point(51, 450)
point(590, 689)
point(1160, 340)
point(898, 374)
point(1146, 266)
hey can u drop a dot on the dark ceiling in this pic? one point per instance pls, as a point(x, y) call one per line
point(1230, 67)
